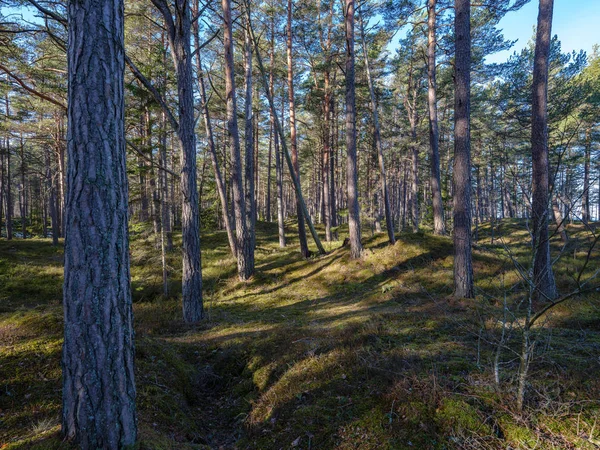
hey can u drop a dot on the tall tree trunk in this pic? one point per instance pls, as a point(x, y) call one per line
point(179, 34)
point(332, 166)
point(2, 188)
point(434, 137)
point(98, 350)
point(249, 179)
point(585, 199)
point(352, 177)
point(9, 203)
point(221, 189)
point(165, 208)
point(377, 137)
point(245, 250)
point(543, 276)
point(275, 139)
point(52, 195)
point(293, 141)
point(23, 193)
point(190, 217)
point(463, 266)
point(279, 128)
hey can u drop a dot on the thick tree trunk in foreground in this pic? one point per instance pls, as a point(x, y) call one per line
point(293, 142)
point(352, 180)
point(543, 277)
point(245, 250)
point(98, 351)
point(463, 266)
point(434, 135)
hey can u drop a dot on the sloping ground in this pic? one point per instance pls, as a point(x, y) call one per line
point(323, 353)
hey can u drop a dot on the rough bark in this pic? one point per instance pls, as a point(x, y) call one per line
point(463, 267)
point(351, 168)
point(179, 35)
point(98, 351)
point(543, 277)
point(245, 251)
point(434, 135)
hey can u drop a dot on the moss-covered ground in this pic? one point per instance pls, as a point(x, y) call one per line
point(322, 353)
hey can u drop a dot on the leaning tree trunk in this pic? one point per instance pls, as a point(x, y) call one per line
point(245, 250)
point(352, 177)
point(293, 141)
point(377, 135)
point(463, 266)
point(98, 351)
point(543, 277)
point(221, 189)
point(275, 138)
point(434, 135)
point(279, 129)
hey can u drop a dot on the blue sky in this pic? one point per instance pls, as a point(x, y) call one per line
point(576, 22)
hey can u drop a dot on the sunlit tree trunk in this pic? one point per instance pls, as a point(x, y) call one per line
point(98, 350)
point(463, 266)
point(585, 199)
point(377, 137)
point(293, 140)
point(543, 276)
point(245, 250)
point(434, 135)
point(249, 178)
point(352, 177)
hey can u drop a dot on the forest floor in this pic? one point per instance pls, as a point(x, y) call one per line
point(322, 353)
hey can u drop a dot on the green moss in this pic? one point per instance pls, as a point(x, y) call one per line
point(455, 417)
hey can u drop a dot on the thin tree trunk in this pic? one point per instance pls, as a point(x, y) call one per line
point(293, 140)
point(377, 137)
point(279, 128)
point(23, 196)
point(249, 179)
point(98, 350)
point(275, 140)
point(9, 203)
point(245, 250)
point(585, 199)
point(52, 196)
point(463, 266)
point(436, 190)
point(352, 177)
point(221, 189)
point(543, 276)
